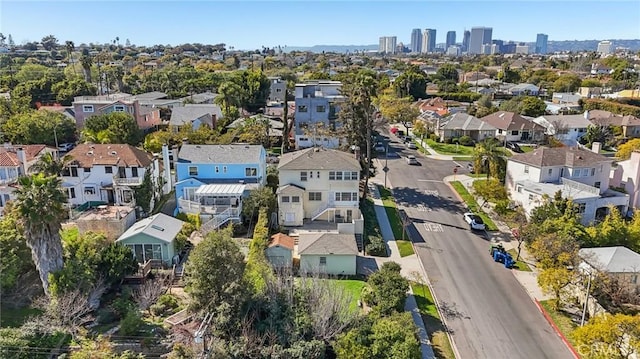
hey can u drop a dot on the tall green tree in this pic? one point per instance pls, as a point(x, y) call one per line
point(489, 156)
point(16, 257)
point(611, 336)
point(398, 110)
point(39, 127)
point(49, 42)
point(114, 127)
point(412, 82)
point(40, 207)
point(387, 290)
point(258, 269)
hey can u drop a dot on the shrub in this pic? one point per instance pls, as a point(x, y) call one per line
point(502, 207)
point(131, 323)
point(106, 316)
point(376, 247)
point(465, 141)
point(122, 306)
point(434, 137)
point(165, 303)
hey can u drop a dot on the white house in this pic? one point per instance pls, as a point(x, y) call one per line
point(578, 174)
point(319, 184)
point(620, 262)
point(524, 89)
point(327, 253)
point(107, 173)
point(626, 175)
point(566, 128)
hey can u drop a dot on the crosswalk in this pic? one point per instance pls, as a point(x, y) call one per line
point(433, 227)
point(432, 192)
point(422, 208)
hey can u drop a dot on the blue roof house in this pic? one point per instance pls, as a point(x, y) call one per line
point(212, 180)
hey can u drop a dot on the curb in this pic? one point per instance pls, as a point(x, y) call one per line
point(557, 330)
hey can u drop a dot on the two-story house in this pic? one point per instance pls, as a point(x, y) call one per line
point(87, 106)
point(318, 184)
point(212, 180)
point(317, 106)
point(514, 127)
point(195, 116)
point(578, 174)
point(277, 90)
point(108, 173)
point(566, 128)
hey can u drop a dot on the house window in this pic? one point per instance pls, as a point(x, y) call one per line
point(530, 197)
point(519, 189)
point(310, 174)
point(317, 174)
point(321, 109)
point(550, 171)
point(302, 108)
point(118, 108)
point(303, 176)
point(581, 207)
point(87, 170)
point(224, 169)
point(250, 172)
point(499, 132)
point(332, 175)
point(634, 279)
point(593, 171)
point(90, 190)
point(323, 261)
point(193, 171)
point(217, 169)
point(73, 171)
point(315, 196)
point(295, 199)
point(354, 176)
point(346, 196)
point(108, 169)
point(72, 193)
point(87, 108)
point(285, 199)
point(526, 169)
point(514, 133)
point(338, 176)
point(585, 172)
point(597, 185)
point(134, 171)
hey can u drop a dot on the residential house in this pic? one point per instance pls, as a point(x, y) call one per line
point(65, 110)
point(628, 124)
point(212, 180)
point(274, 125)
point(578, 174)
point(600, 69)
point(565, 98)
point(194, 116)
point(626, 175)
point(108, 174)
point(474, 76)
point(279, 252)
point(87, 106)
point(327, 253)
point(317, 106)
point(514, 127)
point(15, 161)
point(462, 124)
point(111, 221)
point(153, 238)
point(277, 90)
point(524, 89)
point(590, 92)
point(620, 262)
point(436, 104)
point(566, 128)
point(200, 98)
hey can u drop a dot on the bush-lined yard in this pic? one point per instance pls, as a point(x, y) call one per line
point(473, 205)
point(449, 148)
point(351, 286)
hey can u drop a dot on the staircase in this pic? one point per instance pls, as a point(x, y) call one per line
point(359, 242)
point(229, 214)
point(321, 210)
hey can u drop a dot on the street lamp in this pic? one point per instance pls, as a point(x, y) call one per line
point(386, 162)
point(586, 300)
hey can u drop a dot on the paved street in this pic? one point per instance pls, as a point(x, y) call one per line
point(487, 310)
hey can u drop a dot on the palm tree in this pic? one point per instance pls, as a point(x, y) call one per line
point(70, 46)
point(49, 165)
point(86, 62)
point(489, 155)
point(40, 206)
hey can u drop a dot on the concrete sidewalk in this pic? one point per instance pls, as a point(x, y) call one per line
point(425, 345)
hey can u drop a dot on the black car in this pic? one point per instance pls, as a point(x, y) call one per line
point(514, 147)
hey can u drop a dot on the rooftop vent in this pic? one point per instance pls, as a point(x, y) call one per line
point(157, 227)
point(90, 153)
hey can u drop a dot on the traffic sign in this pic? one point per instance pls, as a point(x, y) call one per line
point(385, 169)
point(455, 170)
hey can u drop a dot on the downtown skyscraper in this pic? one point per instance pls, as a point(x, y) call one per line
point(428, 41)
point(479, 36)
point(541, 43)
point(451, 39)
point(465, 40)
point(387, 45)
point(416, 41)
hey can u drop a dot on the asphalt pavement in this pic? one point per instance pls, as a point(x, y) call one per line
point(489, 314)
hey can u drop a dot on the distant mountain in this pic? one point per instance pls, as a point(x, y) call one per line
point(552, 46)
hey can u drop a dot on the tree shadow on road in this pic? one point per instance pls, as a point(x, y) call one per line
point(409, 197)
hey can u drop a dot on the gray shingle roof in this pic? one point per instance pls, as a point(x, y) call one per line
point(186, 114)
point(230, 154)
point(611, 259)
point(511, 121)
point(160, 226)
point(327, 243)
point(463, 121)
point(559, 156)
point(319, 159)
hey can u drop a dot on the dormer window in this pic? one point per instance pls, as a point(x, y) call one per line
point(87, 108)
point(119, 108)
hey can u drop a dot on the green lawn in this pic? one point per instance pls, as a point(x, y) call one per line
point(351, 286)
point(526, 149)
point(520, 265)
point(450, 149)
point(396, 223)
point(473, 205)
point(562, 321)
point(463, 158)
point(477, 175)
point(436, 330)
point(14, 317)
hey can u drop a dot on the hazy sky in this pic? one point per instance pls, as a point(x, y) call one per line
point(252, 24)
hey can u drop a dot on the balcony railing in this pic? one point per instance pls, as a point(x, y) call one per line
point(193, 207)
point(127, 181)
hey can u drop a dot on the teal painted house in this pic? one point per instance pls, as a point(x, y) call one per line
point(153, 238)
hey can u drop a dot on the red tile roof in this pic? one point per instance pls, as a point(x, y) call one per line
point(282, 240)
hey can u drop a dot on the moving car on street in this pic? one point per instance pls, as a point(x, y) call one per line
point(411, 159)
point(474, 221)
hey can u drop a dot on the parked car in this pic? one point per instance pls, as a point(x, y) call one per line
point(412, 146)
point(474, 221)
point(471, 168)
point(66, 147)
point(380, 147)
point(411, 159)
point(514, 147)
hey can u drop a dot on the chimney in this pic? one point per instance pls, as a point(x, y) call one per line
point(167, 169)
point(8, 146)
point(22, 158)
point(596, 147)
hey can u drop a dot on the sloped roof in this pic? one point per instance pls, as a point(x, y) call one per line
point(229, 154)
point(559, 156)
point(317, 158)
point(510, 121)
point(89, 155)
point(282, 240)
point(466, 122)
point(617, 259)
point(320, 243)
point(571, 121)
point(160, 226)
point(186, 115)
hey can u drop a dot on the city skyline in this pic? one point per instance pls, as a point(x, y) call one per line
point(232, 23)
